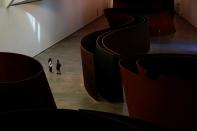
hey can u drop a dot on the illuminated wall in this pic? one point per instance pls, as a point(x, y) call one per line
point(16, 1)
point(187, 9)
point(1, 2)
point(31, 28)
point(5, 3)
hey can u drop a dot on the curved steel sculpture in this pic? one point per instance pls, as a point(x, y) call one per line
point(159, 14)
point(114, 45)
point(100, 63)
point(88, 46)
point(161, 88)
point(129, 40)
point(23, 84)
point(145, 4)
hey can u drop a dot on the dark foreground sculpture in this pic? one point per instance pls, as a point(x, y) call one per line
point(23, 84)
point(66, 119)
point(161, 88)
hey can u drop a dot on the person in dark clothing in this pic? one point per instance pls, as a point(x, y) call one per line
point(50, 64)
point(58, 66)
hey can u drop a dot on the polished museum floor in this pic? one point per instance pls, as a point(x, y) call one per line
point(68, 89)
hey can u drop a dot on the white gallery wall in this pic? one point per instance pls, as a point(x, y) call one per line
point(31, 28)
point(17, 1)
point(5, 3)
point(2, 3)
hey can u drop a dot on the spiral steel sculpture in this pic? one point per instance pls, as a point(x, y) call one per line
point(100, 58)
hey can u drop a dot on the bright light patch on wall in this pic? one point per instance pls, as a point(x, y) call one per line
point(35, 26)
point(32, 21)
point(38, 32)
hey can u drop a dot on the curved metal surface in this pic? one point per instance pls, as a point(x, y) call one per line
point(23, 84)
point(88, 46)
point(59, 119)
point(161, 88)
point(159, 14)
point(104, 78)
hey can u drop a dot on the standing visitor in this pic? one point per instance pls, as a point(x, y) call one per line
point(58, 65)
point(50, 64)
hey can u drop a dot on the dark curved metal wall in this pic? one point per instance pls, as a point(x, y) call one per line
point(161, 88)
point(23, 84)
point(104, 77)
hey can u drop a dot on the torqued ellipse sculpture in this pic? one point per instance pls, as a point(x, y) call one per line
point(23, 84)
